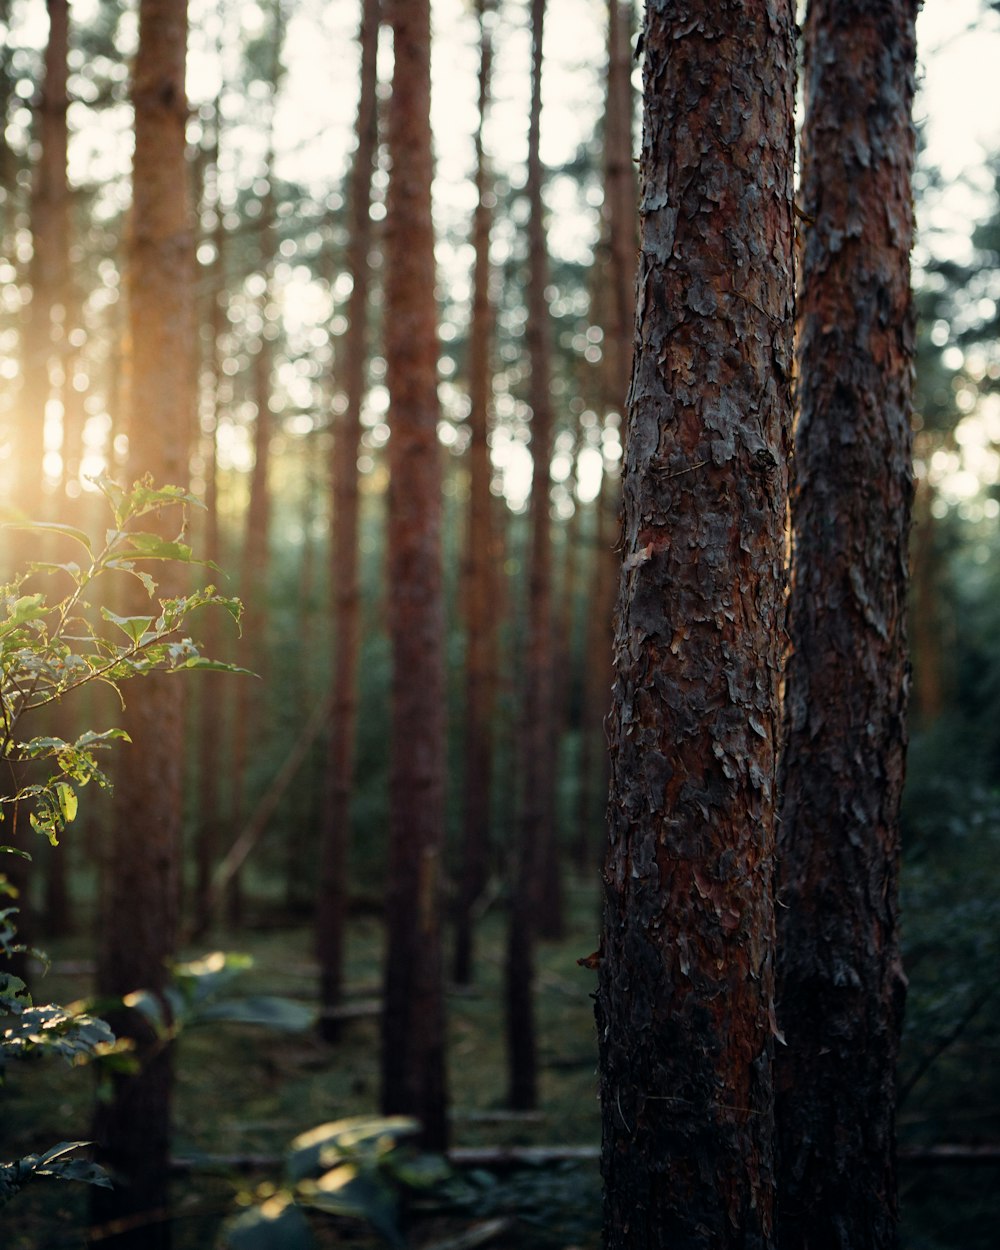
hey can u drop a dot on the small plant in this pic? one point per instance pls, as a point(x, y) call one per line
point(360, 1168)
point(52, 645)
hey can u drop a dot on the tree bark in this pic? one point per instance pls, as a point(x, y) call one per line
point(331, 913)
point(139, 924)
point(684, 1009)
point(840, 980)
point(480, 558)
point(413, 1032)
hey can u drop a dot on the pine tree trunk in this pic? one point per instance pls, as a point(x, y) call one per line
point(249, 718)
point(331, 913)
point(840, 981)
point(139, 923)
point(212, 690)
point(480, 561)
point(684, 1010)
point(537, 815)
point(413, 1031)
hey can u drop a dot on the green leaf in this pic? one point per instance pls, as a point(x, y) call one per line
point(153, 547)
point(53, 527)
point(147, 498)
point(277, 1225)
point(26, 608)
point(127, 566)
point(15, 850)
point(135, 627)
point(354, 1137)
point(347, 1190)
point(266, 1010)
point(68, 801)
point(218, 666)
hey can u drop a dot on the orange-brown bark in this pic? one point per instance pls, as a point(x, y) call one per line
point(685, 1012)
point(840, 983)
point(141, 898)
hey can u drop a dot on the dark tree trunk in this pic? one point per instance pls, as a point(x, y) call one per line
point(480, 561)
point(331, 913)
point(840, 982)
point(413, 1030)
point(685, 1010)
point(537, 817)
point(139, 924)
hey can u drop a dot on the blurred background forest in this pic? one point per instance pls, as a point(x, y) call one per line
point(273, 96)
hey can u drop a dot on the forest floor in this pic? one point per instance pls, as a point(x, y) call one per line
point(244, 1092)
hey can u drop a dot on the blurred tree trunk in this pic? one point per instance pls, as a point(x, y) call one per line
point(927, 606)
point(212, 688)
point(332, 900)
point(139, 923)
point(43, 338)
point(249, 718)
point(534, 891)
point(840, 981)
point(480, 555)
point(617, 315)
point(413, 1027)
point(684, 1009)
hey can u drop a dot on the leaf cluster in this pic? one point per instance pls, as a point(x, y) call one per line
point(360, 1168)
point(51, 646)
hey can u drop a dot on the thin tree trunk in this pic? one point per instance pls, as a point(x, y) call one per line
point(537, 727)
point(331, 904)
point(213, 692)
point(684, 1010)
point(840, 981)
point(617, 315)
point(249, 720)
point(139, 925)
point(480, 557)
point(413, 1031)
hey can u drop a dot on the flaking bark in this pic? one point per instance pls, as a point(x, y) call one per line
point(840, 983)
point(684, 1010)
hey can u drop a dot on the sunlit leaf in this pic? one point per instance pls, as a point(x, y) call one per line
point(277, 1225)
point(153, 547)
point(53, 527)
point(134, 627)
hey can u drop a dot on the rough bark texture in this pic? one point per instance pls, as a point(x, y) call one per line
point(537, 816)
point(141, 891)
point(331, 904)
point(480, 560)
point(684, 1011)
point(840, 982)
point(413, 1034)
